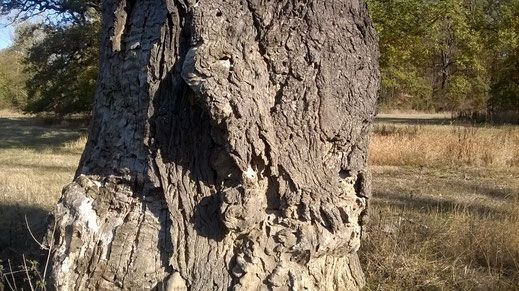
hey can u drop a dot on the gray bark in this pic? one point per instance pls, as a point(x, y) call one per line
point(227, 150)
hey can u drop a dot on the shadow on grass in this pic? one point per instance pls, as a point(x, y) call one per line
point(16, 241)
point(39, 167)
point(15, 238)
point(26, 133)
point(430, 204)
point(418, 121)
point(491, 191)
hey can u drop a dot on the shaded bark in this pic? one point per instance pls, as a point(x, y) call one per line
point(227, 150)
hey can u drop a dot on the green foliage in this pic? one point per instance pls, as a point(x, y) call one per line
point(64, 69)
point(12, 79)
point(505, 89)
point(458, 55)
point(60, 54)
point(404, 53)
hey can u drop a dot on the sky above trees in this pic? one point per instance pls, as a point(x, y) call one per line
point(6, 36)
point(6, 33)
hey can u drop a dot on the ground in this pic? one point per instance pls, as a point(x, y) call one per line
point(444, 213)
point(36, 160)
point(445, 207)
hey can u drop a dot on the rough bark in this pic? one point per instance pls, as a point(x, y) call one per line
point(227, 150)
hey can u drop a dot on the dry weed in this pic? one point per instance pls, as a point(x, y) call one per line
point(76, 145)
point(7, 113)
point(454, 229)
point(437, 145)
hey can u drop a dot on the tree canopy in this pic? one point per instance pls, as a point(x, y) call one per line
point(63, 72)
point(60, 53)
point(453, 55)
point(456, 55)
point(12, 78)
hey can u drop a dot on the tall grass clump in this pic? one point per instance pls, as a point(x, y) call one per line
point(438, 145)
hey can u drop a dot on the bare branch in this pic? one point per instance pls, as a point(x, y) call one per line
point(32, 235)
point(27, 272)
point(50, 250)
point(12, 276)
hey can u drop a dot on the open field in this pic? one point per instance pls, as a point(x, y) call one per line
point(440, 145)
point(445, 207)
point(443, 229)
point(444, 214)
point(35, 163)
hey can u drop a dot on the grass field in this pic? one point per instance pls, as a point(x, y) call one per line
point(36, 161)
point(444, 213)
point(445, 207)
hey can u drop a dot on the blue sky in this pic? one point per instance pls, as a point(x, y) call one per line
point(6, 33)
point(7, 28)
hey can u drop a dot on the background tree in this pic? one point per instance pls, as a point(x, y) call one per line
point(12, 79)
point(406, 53)
point(455, 55)
point(64, 67)
point(62, 58)
point(505, 37)
point(227, 150)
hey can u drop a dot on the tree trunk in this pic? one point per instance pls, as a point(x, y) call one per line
point(227, 149)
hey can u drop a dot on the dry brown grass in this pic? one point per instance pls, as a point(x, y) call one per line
point(35, 163)
point(7, 113)
point(444, 213)
point(445, 208)
point(410, 114)
point(76, 145)
point(443, 229)
point(443, 145)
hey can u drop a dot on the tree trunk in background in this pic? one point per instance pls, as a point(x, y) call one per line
point(227, 150)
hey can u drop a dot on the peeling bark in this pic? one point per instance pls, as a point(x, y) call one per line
point(227, 150)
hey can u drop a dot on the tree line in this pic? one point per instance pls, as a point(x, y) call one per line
point(453, 55)
point(56, 47)
point(437, 55)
